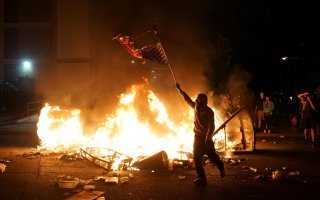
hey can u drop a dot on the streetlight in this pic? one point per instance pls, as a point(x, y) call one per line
point(27, 67)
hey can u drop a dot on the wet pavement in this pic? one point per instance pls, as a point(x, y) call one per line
point(280, 167)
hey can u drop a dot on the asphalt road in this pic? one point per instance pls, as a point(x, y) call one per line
point(280, 167)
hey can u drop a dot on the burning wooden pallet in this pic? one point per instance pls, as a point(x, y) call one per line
point(106, 158)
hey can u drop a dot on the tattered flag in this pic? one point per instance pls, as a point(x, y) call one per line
point(152, 52)
point(128, 44)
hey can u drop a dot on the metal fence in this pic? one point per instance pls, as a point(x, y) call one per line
point(34, 107)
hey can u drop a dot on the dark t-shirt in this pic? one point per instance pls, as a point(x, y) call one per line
point(203, 121)
point(308, 111)
point(259, 104)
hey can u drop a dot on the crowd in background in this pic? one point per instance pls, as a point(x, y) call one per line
point(301, 110)
point(270, 110)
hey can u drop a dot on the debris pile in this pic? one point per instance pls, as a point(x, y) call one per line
point(106, 158)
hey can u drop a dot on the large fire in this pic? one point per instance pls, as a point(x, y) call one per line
point(134, 129)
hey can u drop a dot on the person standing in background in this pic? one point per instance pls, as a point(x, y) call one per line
point(268, 107)
point(308, 117)
point(259, 110)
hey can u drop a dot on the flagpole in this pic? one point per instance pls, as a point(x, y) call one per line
point(174, 78)
point(156, 33)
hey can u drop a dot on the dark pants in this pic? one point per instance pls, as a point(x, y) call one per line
point(200, 148)
point(268, 121)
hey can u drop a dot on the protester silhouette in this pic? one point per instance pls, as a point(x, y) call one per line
point(204, 127)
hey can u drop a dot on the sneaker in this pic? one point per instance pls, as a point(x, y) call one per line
point(222, 173)
point(200, 181)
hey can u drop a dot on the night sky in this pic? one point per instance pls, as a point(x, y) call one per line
point(261, 32)
point(257, 33)
point(218, 45)
point(214, 46)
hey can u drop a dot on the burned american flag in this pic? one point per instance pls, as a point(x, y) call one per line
point(151, 52)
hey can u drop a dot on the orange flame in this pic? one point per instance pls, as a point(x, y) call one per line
point(135, 129)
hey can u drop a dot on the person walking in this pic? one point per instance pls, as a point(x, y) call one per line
point(204, 127)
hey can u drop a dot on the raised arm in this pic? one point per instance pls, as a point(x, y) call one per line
point(300, 96)
point(311, 103)
point(185, 96)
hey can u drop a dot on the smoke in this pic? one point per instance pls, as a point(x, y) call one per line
point(236, 93)
point(95, 84)
point(94, 69)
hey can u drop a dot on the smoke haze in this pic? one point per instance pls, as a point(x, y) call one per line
point(112, 72)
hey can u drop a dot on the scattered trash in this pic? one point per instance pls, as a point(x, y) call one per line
point(181, 177)
point(156, 161)
point(276, 175)
point(131, 176)
point(253, 169)
point(234, 160)
point(2, 167)
point(286, 174)
point(124, 180)
point(100, 178)
point(246, 168)
point(4, 161)
point(89, 181)
point(41, 152)
point(67, 182)
point(106, 158)
point(71, 157)
point(32, 155)
point(231, 161)
point(112, 180)
point(89, 187)
point(294, 173)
